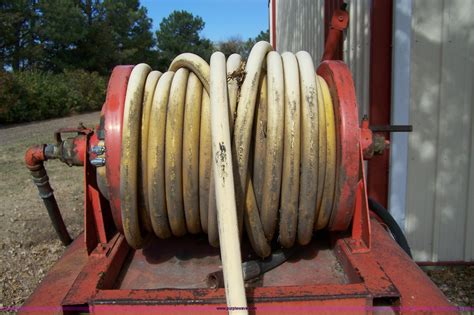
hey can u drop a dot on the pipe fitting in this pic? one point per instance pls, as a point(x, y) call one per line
point(34, 156)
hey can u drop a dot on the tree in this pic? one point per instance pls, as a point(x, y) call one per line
point(235, 44)
point(180, 32)
point(263, 35)
point(112, 32)
point(94, 35)
point(18, 41)
point(131, 29)
point(61, 26)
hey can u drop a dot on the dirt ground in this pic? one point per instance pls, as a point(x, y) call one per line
point(28, 243)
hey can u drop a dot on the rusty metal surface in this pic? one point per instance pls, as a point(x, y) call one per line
point(366, 139)
point(186, 262)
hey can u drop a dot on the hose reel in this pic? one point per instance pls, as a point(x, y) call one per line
point(295, 148)
point(266, 149)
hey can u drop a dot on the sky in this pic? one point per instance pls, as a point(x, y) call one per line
point(223, 18)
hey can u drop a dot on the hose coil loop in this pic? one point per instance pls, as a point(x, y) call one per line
point(283, 135)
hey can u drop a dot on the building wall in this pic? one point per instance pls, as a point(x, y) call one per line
point(300, 26)
point(440, 190)
point(357, 50)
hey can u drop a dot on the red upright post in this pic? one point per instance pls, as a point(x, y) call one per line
point(273, 22)
point(380, 93)
point(329, 7)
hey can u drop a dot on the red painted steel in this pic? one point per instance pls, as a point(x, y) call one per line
point(95, 206)
point(341, 87)
point(273, 26)
point(361, 229)
point(330, 6)
point(380, 93)
point(333, 46)
point(113, 113)
point(34, 156)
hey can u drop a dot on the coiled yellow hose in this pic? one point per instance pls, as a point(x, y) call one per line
point(283, 143)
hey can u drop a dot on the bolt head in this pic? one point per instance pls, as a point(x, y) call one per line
point(97, 162)
point(98, 149)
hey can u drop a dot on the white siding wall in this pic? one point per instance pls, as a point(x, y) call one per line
point(440, 191)
point(300, 26)
point(357, 50)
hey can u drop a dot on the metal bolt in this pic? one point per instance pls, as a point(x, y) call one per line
point(98, 149)
point(97, 162)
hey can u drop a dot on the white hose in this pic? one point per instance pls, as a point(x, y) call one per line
point(224, 187)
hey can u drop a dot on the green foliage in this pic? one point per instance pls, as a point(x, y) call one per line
point(19, 46)
point(34, 95)
point(180, 32)
point(54, 35)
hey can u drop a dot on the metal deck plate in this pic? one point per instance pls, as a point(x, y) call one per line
point(185, 263)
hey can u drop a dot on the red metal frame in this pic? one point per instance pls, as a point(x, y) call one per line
point(273, 26)
point(96, 207)
point(330, 7)
point(334, 33)
point(380, 93)
point(380, 79)
point(113, 109)
point(339, 79)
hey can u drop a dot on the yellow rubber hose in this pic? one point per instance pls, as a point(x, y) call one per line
point(282, 147)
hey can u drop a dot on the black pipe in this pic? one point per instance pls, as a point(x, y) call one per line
point(41, 180)
point(392, 225)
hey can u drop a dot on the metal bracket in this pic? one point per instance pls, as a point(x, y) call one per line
point(81, 129)
point(360, 240)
